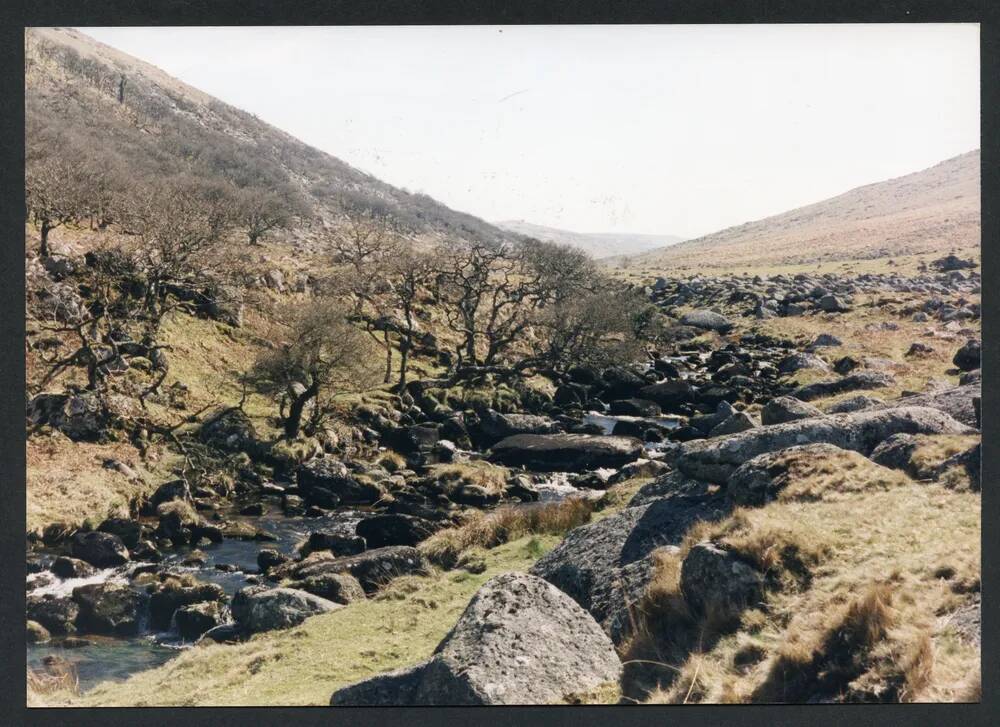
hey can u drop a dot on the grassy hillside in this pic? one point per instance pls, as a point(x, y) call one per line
point(930, 211)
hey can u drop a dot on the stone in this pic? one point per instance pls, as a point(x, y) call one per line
point(519, 641)
point(195, 619)
point(335, 543)
point(337, 587)
point(269, 558)
point(108, 608)
point(231, 430)
point(635, 408)
point(832, 304)
point(958, 402)
point(373, 568)
point(131, 532)
point(566, 452)
point(394, 529)
point(861, 402)
point(170, 596)
point(738, 422)
point(36, 633)
point(798, 361)
point(787, 409)
point(260, 608)
point(66, 567)
point(57, 615)
point(99, 549)
point(718, 584)
point(969, 356)
point(332, 476)
point(714, 460)
point(707, 320)
point(670, 395)
point(851, 382)
point(497, 426)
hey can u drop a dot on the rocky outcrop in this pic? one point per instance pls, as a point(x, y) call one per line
point(787, 409)
point(327, 482)
point(851, 382)
point(519, 641)
point(566, 452)
point(605, 566)
point(958, 402)
point(707, 320)
point(394, 529)
point(715, 460)
point(496, 426)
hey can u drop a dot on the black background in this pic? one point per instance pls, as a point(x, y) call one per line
point(14, 17)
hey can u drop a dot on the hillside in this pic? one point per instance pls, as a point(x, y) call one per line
point(929, 211)
point(163, 126)
point(597, 244)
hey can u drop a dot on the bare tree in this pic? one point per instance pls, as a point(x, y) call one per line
point(57, 187)
point(317, 354)
point(259, 211)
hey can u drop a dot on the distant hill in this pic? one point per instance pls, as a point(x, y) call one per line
point(165, 127)
point(937, 209)
point(598, 244)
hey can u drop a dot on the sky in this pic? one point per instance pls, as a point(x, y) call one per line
point(680, 130)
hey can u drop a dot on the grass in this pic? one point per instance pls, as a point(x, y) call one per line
point(67, 481)
point(854, 591)
point(490, 529)
point(304, 665)
point(489, 476)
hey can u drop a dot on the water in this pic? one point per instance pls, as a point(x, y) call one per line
point(607, 421)
point(106, 660)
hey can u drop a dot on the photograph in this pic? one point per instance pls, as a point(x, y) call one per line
point(453, 365)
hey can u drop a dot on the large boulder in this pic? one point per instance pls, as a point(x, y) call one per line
point(519, 641)
point(968, 357)
point(798, 361)
point(566, 452)
point(715, 460)
point(605, 566)
point(394, 529)
point(103, 550)
point(108, 608)
point(231, 430)
point(851, 382)
point(707, 320)
point(322, 477)
point(861, 402)
point(195, 619)
point(718, 584)
point(171, 595)
point(336, 587)
point(57, 615)
point(787, 409)
point(261, 608)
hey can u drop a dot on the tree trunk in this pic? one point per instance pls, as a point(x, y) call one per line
point(388, 357)
point(43, 248)
point(294, 419)
point(404, 360)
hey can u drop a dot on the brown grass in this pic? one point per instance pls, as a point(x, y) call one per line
point(854, 589)
point(52, 686)
point(489, 476)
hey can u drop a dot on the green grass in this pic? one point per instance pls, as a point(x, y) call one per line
point(304, 665)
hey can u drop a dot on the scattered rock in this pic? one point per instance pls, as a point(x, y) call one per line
point(195, 619)
point(108, 608)
point(394, 529)
point(969, 356)
point(707, 320)
point(99, 549)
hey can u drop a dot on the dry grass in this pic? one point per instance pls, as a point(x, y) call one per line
point(53, 686)
point(490, 529)
point(68, 482)
point(854, 588)
point(932, 450)
point(489, 476)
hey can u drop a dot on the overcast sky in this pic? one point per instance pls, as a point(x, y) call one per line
point(660, 129)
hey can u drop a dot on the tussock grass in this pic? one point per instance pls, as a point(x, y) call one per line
point(488, 530)
point(52, 686)
point(855, 585)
